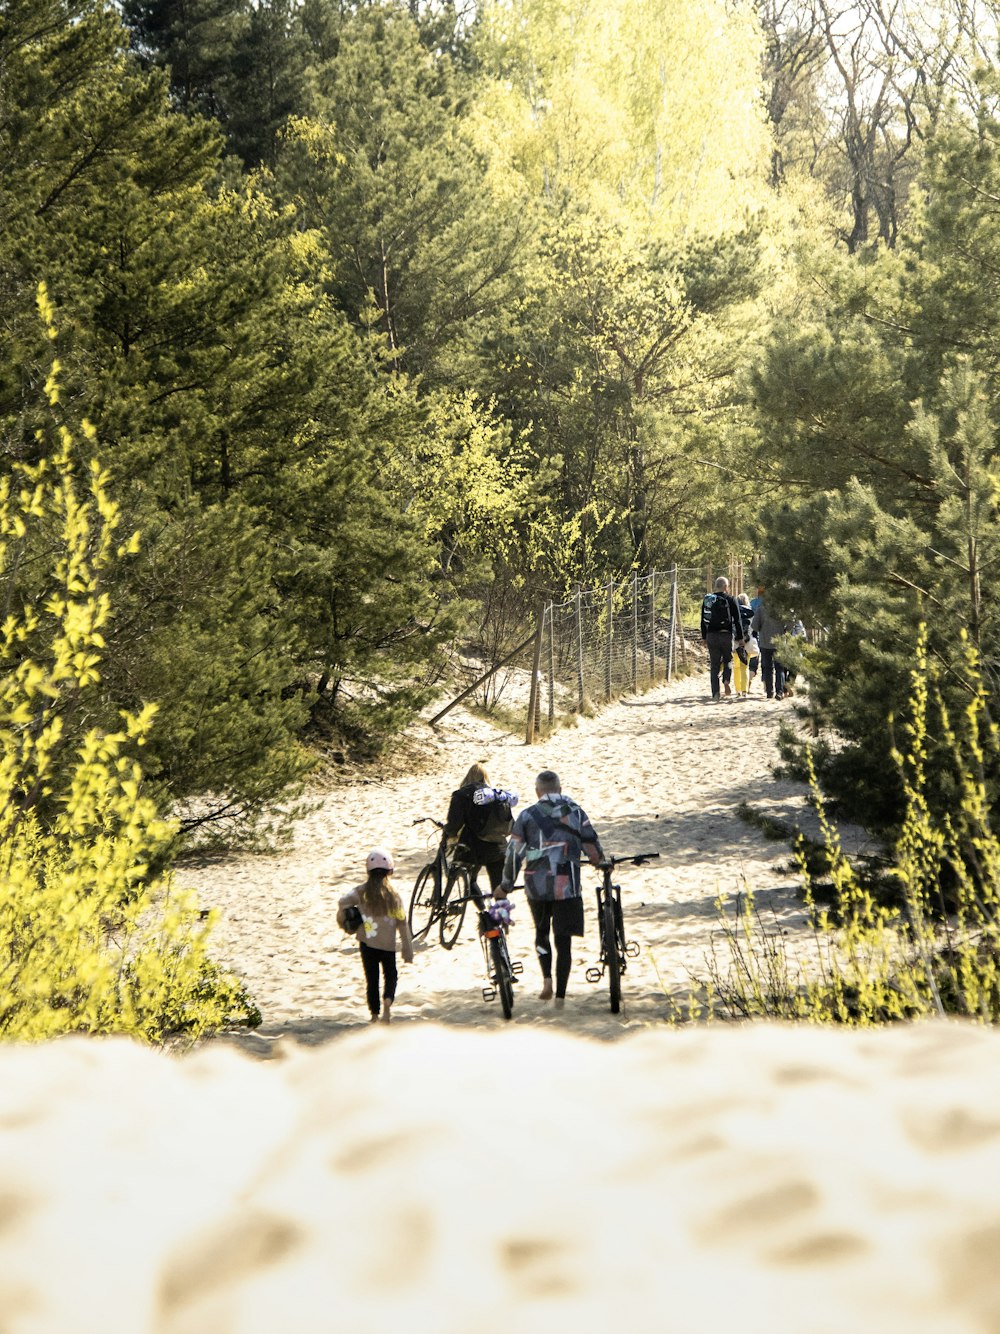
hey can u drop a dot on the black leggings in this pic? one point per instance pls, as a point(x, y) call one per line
point(565, 919)
point(564, 960)
point(370, 959)
point(475, 861)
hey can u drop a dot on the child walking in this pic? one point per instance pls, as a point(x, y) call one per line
point(374, 913)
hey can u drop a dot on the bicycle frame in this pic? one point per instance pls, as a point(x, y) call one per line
point(501, 970)
point(490, 929)
point(627, 948)
point(615, 950)
point(440, 869)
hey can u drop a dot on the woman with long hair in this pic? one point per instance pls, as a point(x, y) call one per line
point(479, 818)
point(373, 912)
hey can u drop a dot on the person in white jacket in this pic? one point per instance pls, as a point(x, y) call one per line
point(373, 913)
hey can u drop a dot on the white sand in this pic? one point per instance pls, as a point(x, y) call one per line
point(519, 1177)
point(433, 1179)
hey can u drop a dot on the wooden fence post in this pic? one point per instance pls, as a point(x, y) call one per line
point(672, 640)
point(680, 621)
point(652, 627)
point(536, 658)
point(579, 648)
point(552, 665)
point(611, 637)
point(478, 682)
point(635, 632)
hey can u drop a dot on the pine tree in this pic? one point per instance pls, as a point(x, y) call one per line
point(196, 41)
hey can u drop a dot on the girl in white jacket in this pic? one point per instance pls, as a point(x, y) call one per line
point(374, 913)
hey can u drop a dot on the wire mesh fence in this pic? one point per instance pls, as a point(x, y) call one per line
point(626, 635)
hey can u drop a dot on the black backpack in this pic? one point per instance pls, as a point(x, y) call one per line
point(717, 612)
point(493, 822)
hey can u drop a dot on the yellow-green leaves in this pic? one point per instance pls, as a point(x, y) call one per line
point(90, 937)
point(934, 946)
point(648, 110)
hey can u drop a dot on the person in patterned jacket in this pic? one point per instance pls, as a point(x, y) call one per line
point(550, 838)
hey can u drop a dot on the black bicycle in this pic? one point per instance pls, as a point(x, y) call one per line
point(442, 879)
point(501, 970)
point(611, 928)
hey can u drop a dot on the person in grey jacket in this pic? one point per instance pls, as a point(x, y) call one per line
point(767, 629)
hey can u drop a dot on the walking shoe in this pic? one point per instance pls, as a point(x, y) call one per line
point(714, 699)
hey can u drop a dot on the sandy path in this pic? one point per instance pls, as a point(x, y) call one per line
point(663, 772)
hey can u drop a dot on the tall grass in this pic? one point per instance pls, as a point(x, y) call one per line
point(936, 948)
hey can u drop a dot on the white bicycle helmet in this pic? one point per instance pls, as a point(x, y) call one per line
point(379, 860)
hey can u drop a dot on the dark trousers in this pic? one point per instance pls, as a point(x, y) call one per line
point(772, 672)
point(370, 961)
point(720, 655)
point(475, 861)
point(564, 918)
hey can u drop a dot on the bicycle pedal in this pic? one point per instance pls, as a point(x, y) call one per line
point(632, 949)
point(489, 993)
point(594, 974)
point(517, 967)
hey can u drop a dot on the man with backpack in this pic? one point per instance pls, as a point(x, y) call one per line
point(550, 838)
point(721, 624)
point(480, 819)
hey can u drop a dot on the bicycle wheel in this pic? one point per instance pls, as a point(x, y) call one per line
point(502, 975)
point(612, 959)
point(423, 902)
point(453, 906)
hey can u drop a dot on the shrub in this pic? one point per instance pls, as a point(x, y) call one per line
point(936, 949)
point(94, 934)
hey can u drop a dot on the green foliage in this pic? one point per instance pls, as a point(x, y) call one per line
point(427, 364)
point(147, 266)
point(421, 243)
point(937, 949)
point(201, 602)
point(869, 568)
point(94, 934)
point(880, 413)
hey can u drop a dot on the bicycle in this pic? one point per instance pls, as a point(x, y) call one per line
point(611, 928)
point(433, 885)
point(500, 968)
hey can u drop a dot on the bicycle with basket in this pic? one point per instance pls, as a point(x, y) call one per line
point(494, 918)
point(441, 894)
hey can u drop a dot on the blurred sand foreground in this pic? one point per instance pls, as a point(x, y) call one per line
point(434, 1179)
point(452, 1173)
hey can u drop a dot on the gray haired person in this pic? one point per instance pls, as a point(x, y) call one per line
point(721, 624)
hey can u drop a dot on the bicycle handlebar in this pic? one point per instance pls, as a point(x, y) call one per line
point(636, 858)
